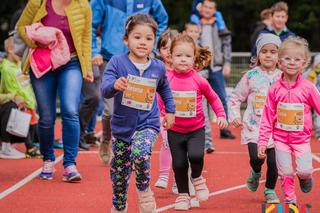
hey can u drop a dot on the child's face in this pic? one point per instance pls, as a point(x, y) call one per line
point(292, 61)
point(193, 31)
point(183, 57)
point(140, 42)
point(279, 20)
point(268, 57)
point(164, 52)
point(207, 9)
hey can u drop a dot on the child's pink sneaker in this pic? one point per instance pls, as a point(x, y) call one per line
point(147, 203)
point(201, 189)
point(47, 170)
point(182, 202)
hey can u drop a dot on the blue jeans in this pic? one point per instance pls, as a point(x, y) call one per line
point(67, 82)
point(216, 80)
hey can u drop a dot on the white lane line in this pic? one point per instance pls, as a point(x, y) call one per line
point(316, 158)
point(164, 208)
point(24, 181)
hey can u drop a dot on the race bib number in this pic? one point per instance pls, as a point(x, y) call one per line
point(258, 103)
point(290, 116)
point(185, 103)
point(140, 93)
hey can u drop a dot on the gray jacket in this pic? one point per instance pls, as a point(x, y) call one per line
point(220, 46)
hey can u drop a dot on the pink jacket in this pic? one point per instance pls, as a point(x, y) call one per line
point(44, 59)
point(193, 82)
point(276, 113)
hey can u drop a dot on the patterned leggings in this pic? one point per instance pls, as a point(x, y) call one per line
point(137, 153)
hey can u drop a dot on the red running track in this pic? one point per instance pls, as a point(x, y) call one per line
point(226, 171)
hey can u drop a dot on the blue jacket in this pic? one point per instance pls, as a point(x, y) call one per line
point(126, 120)
point(111, 15)
point(285, 33)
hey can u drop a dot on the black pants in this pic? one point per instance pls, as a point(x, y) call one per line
point(185, 148)
point(5, 110)
point(91, 97)
point(256, 163)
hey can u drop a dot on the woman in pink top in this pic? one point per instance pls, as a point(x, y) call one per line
point(287, 115)
point(186, 138)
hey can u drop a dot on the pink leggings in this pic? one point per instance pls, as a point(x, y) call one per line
point(165, 155)
point(303, 158)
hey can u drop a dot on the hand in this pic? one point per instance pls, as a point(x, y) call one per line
point(226, 70)
point(121, 84)
point(222, 123)
point(168, 121)
point(261, 152)
point(20, 102)
point(97, 60)
point(237, 122)
point(89, 77)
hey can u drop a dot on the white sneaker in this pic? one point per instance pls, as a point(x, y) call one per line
point(194, 203)
point(174, 187)
point(162, 182)
point(9, 152)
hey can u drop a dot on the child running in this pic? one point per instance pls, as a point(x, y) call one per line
point(133, 79)
point(163, 47)
point(253, 88)
point(187, 136)
point(287, 116)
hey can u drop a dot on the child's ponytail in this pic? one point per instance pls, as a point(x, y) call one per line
point(203, 58)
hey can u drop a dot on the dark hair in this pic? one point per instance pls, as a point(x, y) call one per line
point(203, 56)
point(265, 14)
point(280, 6)
point(140, 19)
point(165, 36)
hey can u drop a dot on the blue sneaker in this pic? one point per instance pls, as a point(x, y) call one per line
point(253, 181)
point(271, 196)
point(71, 174)
point(47, 170)
point(306, 184)
point(58, 144)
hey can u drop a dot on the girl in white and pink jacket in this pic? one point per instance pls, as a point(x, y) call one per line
point(252, 89)
point(287, 116)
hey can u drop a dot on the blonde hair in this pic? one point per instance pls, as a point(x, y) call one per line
point(296, 42)
point(203, 56)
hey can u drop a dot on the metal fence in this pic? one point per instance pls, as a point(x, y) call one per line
point(240, 64)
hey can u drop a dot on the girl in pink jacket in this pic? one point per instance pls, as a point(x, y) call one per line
point(287, 116)
point(253, 88)
point(187, 137)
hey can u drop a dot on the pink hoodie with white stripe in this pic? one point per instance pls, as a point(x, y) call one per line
point(301, 92)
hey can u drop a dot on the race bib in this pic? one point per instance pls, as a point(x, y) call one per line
point(258, 103)
point(140, 92)
point(185, 103)
point(290, 116)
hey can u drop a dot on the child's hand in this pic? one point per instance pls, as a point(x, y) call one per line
point(262, 152)
point(168, 121)
point(121, 84)
point(236, 122)
point(222, 123)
